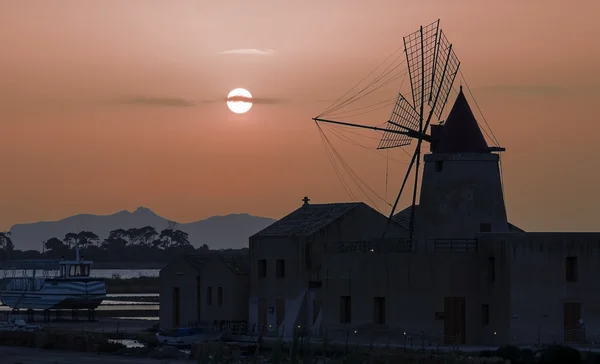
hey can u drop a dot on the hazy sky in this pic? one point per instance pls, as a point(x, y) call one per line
point(71, 142)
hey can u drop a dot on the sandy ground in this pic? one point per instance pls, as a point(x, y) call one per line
point(13, 355)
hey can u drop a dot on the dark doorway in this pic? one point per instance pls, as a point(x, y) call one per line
point(454, 320)
point(572, 315)
point(198, 300)
point(262, 313)
point(176, 307)
point(279, 311)
point(316, 309)
point(379, 310)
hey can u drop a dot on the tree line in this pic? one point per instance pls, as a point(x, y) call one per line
point(121, 245)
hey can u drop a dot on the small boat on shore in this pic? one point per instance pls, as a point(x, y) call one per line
point(62, 284)
point(18, 325)
point(185, 337)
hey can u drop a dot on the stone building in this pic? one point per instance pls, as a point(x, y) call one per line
point(204, 288)
point(469, 276)
point(285, 258)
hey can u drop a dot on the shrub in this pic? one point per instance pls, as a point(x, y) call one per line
point(509, 352)
point(558, 354)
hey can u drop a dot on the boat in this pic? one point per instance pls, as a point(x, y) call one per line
point(186, 336)
point(62, 284)
point(18, 325)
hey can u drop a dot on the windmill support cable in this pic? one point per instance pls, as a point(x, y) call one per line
point(408, 132)
point(345, 114)
point(383, 74)
point(332, 160)
point(352, 142)
point(494, 139)
point(355, 98)
point(387, 169)
point(354, 176)
point(337, 172)
point(420, 140)
point(364, 107)
point(333, 105)
point(412, 161)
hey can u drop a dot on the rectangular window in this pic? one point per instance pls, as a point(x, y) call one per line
point(571, 263)
point(262, 268)
point(280, 268)
point(209, 295)
point(220, 296)
point(308, 260)
point(379, 310)
point(485, 314)
point(345, 310)
point(439, 166)
point(491, 269)
point(485, 227)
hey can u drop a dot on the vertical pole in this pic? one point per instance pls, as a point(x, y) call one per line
point(418, 151)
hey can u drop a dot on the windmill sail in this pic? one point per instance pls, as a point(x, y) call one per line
point(421, 51)
point(447, 65)
point(404, 117)
point(432, 67)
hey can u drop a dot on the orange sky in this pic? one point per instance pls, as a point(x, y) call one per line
point(69, 145)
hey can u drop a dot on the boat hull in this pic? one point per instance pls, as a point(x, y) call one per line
point(56, 294)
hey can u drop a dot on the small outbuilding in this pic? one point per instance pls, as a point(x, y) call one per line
point(204, 288)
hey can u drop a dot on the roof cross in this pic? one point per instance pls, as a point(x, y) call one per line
point(305, 200)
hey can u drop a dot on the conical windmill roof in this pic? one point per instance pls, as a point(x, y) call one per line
point(461, 133)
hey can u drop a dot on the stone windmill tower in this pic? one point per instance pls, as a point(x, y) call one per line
point(461, 190)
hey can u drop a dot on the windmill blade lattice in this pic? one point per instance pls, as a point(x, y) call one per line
point(420, 48)
point(404, 117)
point(447, 65)
point(432, 67)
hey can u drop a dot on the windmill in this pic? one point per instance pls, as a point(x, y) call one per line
point(432, 68)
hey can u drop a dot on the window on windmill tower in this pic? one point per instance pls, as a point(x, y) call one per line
point(439, 166)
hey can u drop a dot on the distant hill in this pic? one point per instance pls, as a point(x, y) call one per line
point(218, 232)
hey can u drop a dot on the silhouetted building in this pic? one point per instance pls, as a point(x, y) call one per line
point(204, 288)
point(468, 276)
point(287, 271)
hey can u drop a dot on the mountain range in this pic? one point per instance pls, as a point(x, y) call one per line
point(218, 232)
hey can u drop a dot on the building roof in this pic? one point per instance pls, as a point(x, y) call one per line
point(239, 264)
point(308, 219)
point(403, 219)
point(461, 133)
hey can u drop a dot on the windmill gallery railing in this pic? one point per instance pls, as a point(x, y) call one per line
point(386, 246)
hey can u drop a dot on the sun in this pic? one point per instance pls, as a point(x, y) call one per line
point(239, 100)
